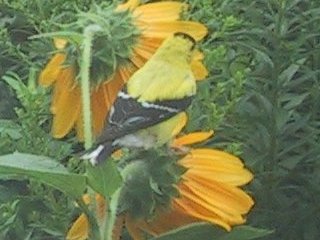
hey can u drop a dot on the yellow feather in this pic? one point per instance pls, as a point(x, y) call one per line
point(167, 75)
point(165, 131)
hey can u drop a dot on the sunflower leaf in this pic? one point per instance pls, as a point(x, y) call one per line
point(105, 178)
point(205, 231)
point(42, 169)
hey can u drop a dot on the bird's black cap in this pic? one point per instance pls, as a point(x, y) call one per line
point(187, 36)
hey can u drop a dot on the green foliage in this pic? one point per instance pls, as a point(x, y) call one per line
point(149, 180)
point(30, 131)
point(274, 112)
point(261, 98)
point(30, 209)
point(227, 64)
point(205, 231)
point(104, 179)
point(43, 170)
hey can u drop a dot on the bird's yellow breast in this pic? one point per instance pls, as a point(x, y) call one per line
point(167, 75)
point(162, 80)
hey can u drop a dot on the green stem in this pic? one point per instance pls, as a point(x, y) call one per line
point(112, 215)
point(88, 33)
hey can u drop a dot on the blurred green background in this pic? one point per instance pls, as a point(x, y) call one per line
point(261, 98)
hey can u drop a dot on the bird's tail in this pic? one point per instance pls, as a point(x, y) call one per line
point(100, 153)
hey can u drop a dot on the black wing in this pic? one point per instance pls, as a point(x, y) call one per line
point(127, 115)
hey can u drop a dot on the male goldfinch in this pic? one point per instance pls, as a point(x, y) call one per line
point(148, 109)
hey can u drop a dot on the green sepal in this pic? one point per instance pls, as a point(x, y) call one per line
point(150, 179)
point(112, 47)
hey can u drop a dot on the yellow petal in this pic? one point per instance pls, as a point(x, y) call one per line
point(192, 138)
point(166, 220)
point(110, 90)
point(200, 72)
point(198, 199)
point(52, 70)
point(148, 44)
point(198, 211)
point(229, 199)
point(221, 173)
point(216, 165)
point(86, 198)
point(159, 11)
point(79, 230)
point(142, 53)
point(112, 86)
point(118, 226)
point(117, 154)
point(213, 155)
point(165, 29)
point(133, 229)
point(197, 55)
point(60, 43)
point(129, 5)
point(146, 47)
point(67, 111)
point(64, 80)
point(138, 60)
point(101, 208)
point(99, 110)
point(126, 72)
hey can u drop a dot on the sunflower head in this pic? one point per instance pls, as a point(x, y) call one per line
point(149, 183)
point(162, 190)
point(128, 35)
point(112, 45)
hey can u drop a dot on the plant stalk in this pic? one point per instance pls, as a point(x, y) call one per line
point(112, 215)
point(88, 33)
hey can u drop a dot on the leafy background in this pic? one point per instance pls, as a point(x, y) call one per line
point(262, 99)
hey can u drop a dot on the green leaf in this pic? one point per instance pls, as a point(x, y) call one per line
point(205, 231)
point(294, 100)
point(104, 178)
point(13, 80)
point(288, 73)
point(10, 128)
point(44, 170)
point(68, 35)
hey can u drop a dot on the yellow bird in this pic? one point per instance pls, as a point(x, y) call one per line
point(149, 108)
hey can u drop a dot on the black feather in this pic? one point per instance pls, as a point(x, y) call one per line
point(128, 115)
point(187, 36)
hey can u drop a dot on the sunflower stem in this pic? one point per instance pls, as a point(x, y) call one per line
point(88, 33)
point(112, 215)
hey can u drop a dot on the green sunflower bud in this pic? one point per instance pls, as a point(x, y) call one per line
point(111, 47)
point(149, 183)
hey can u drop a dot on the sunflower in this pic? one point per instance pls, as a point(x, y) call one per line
point(136, 32)
point(208, 190)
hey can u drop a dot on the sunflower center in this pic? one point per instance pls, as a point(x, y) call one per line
point(111, 47)
point(149, 183)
